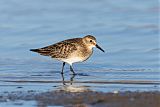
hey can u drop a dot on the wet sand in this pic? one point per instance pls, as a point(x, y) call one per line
point(86, 98)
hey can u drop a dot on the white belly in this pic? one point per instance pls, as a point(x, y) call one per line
point(72, 60)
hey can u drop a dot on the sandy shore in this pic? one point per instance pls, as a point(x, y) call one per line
point(85, 99)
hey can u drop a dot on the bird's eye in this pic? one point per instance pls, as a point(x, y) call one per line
point(90, 40)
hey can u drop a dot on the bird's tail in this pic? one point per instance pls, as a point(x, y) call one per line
point(41, 51)
point(35, 50)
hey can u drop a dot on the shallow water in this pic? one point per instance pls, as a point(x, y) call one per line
point(127, 30)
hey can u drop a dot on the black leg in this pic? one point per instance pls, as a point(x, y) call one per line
point(71, 79)
point(63, 79)
point(72, 70)
point(63, 67)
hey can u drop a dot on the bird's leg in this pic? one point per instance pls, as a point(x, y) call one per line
point(63, 79)
point(63, 67)
point(71, 79)
point(72, 70)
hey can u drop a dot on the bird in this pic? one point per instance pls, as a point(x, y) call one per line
point(70, 51)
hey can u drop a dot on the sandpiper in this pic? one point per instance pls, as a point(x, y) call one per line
point(71, 50)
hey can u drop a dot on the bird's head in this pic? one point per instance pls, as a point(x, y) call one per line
point(90, 41)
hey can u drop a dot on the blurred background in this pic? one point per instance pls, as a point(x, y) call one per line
point(128, 30)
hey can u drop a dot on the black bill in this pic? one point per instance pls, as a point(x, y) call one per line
point(100, 48)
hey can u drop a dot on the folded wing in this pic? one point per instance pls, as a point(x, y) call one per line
point(58, 50)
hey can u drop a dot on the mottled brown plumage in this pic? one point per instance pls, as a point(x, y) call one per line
point(71, 50)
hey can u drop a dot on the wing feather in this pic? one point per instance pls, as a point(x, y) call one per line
point(58, 50)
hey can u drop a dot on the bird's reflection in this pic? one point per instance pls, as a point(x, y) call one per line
point(71, 79)
point(70, 87)
point(62, 92)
